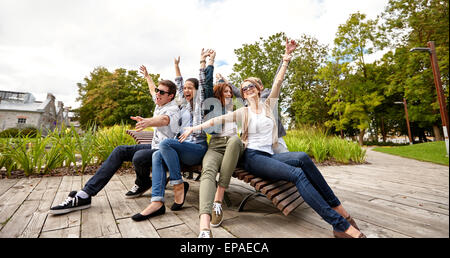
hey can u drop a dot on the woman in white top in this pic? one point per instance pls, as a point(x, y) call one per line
point(260, 138)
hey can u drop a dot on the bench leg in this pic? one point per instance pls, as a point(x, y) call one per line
point(245, 200)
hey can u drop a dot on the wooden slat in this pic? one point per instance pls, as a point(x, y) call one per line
point(242, 175)
point(248, 178)
point(293, 206)
point(281, 205)
point(255, 180)
point(267, 188)
point(284, 195)
point(274, 192)
point(262, 184)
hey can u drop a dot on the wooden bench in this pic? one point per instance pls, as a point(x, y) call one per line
point(284, 195)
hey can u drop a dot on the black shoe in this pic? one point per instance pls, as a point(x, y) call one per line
point(140, 217)
point(137, 191)
point(176, 206)
point(72, 203)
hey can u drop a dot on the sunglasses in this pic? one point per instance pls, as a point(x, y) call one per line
point(248, 87)
point(161, 91)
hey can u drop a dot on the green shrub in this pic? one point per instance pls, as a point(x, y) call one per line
point(16, 132)
point(107, 139)
point(319, 145)
point(11, 132)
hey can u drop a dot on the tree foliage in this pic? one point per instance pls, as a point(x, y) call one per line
point(109, 98)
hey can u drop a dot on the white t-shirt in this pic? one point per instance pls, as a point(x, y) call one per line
point(260, 130)
point(229, 128)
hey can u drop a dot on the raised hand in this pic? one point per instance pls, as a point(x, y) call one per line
point(212, 54)
point(177, 61)
point(204, 54)
point(291, 45)
point(143, 71)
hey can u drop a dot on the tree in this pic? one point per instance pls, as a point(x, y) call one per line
point(354, 94)
point(111, 98)
point(304, 92)
point(411, 24)
point(302, 96)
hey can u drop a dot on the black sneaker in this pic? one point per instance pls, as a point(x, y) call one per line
point(72, 203)
point(136, 191)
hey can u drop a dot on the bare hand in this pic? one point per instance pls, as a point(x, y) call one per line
point(137, 118)
point(177, 61)
point(186, 133)
point(204, 54)
point(144, 71)
point(144, 123)
point(212, 54)
point(290, 46)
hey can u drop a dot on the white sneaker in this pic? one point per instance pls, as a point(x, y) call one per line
point(205, 233)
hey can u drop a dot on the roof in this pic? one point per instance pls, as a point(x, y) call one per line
point(29, 107)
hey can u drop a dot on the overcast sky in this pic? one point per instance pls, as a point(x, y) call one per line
point(50, 45)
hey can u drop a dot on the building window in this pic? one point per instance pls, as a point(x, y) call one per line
point(22, 121)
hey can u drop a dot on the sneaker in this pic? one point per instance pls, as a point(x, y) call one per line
point(217, 215)
point(72, 203)
point(205, 233)
point(136, 191)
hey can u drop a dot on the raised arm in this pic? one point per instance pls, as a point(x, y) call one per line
point(200, 95)
point(178, 77)
point(151, 84)
point(276, 87)
point(230, 117)
point(155, 121)
point(203, 55)
point(177, 66)
point(209, 76)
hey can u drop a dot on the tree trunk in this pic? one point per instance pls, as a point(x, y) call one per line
point(383, 132)
point(361, 137)
point(437, 133)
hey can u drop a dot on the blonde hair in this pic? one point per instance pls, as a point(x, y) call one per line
point(254, 80)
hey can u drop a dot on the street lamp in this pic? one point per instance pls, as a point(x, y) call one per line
point(407, 119)
point(438, 83)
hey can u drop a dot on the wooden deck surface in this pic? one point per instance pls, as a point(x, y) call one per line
point(391, 197)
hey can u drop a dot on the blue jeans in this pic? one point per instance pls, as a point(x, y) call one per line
point(171, 153)
point(139, 154)
point(298, 168)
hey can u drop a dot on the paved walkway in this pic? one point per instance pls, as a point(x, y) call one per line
point(390, 197)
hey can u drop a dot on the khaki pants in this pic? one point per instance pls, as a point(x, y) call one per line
point(223, 153)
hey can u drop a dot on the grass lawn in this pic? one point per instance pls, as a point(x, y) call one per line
point(432, 151)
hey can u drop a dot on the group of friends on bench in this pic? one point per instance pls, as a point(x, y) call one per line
point(185, 111)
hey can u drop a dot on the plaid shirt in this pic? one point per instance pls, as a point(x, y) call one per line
point(194, 117)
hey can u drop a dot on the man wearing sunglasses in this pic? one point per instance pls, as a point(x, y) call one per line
point(165, 122)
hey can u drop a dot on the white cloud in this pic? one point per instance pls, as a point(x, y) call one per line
point(50, 45)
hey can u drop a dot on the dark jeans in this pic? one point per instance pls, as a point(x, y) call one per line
point(298, 168)
point(140, 155)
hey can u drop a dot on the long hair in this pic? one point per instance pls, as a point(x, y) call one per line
point(219, 89)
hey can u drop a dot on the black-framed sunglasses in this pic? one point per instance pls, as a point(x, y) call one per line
point(161, 91)
point(248, 87)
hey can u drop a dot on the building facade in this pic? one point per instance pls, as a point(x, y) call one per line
point(21, 110)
